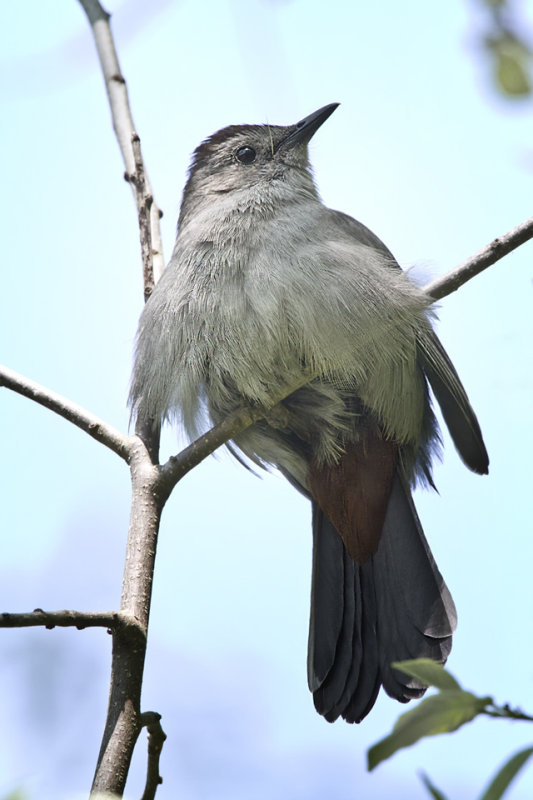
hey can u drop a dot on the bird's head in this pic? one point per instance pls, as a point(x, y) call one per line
point(252, 157)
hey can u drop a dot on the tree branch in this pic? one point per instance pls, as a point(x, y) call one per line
point(124, 719)
point(123, 125)
point(66, 619)
point(156, 739)
point(177, 466)
point(506, 712)
point(91, 424)
point(144, 202)
point(497, 249)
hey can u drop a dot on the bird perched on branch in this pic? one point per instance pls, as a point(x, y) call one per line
point(268, 289)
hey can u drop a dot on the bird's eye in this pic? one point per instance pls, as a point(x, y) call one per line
point(246, 155)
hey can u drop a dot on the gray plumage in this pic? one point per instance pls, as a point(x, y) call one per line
point(265, 284)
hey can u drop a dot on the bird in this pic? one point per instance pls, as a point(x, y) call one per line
point(269, 293)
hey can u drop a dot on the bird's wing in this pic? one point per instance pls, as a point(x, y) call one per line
point(446, 385)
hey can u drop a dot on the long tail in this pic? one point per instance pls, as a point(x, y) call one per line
point(393, 607)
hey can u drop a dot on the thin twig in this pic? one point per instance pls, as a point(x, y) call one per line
point(177, 466)
point(156, 738)
point(506, 712)
point(91, 424)
point(65, 619)
point(144, 201)
point(497, 249)
point(123, 124)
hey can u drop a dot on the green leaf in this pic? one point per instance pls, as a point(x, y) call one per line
point(511, 75)
point(440, 713)
point(432, 789)
point(508, 772)
point(428, 672)
point(512, 59)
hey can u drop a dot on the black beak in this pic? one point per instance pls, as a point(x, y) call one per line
point(302, 132)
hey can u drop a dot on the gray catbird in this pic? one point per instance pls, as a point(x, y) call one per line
point(265, 286)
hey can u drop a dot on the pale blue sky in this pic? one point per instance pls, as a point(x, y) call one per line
point(423, 152)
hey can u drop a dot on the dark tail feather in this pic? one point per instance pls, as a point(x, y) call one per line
point(416, 613)
point(394, 606)
point(458, 414)
point(328, 601)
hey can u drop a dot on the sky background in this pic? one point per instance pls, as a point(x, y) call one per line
point(425, 153)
